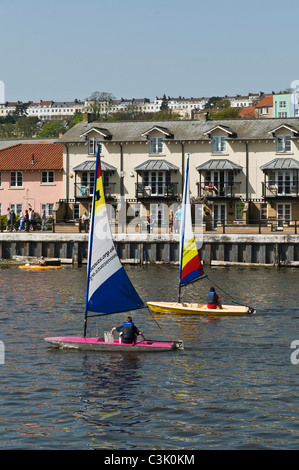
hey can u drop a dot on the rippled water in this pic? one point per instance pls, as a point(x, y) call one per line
point(233, 387)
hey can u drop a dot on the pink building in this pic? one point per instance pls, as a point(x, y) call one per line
point(31, 176)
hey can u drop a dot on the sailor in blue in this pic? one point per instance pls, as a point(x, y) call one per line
point(128, 332)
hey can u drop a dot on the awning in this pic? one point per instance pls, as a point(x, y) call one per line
point(281, 164)
point(91, 166)
point(218, 164)
point(156, 165)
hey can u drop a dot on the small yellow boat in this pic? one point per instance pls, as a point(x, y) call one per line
point(184, 308)
point(37, 266)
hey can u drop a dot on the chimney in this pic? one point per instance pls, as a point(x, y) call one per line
point(86, 117)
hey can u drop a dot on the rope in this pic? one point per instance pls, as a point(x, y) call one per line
point(158, 324)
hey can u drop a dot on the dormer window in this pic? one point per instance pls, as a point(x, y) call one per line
point(283, 143)
point(156, 144)
point(219, 144)
point(93, 144)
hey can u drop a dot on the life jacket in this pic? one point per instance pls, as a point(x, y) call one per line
point(212, 299)
point(128, 332)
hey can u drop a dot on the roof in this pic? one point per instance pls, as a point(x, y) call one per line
point(136, 131)
point(281, 164)
point(219, 164)
point(247, 112)
point(33, 156)
point(158, 165)
point(91, 166)
point(266, 102)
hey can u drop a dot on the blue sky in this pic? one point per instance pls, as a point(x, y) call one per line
point(67, 49)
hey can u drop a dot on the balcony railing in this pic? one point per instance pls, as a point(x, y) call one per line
point(159, 190)
point(86, 191)
point(221, 190)
point(280, 190)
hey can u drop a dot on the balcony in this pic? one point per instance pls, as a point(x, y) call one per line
point(221, 191)
point(85, 192)
point(168, 191)
point(284, 190)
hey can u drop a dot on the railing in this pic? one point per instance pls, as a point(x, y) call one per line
point(222, 190)
point(141, 225)
point(280, 190)
point(86, 191)
point(158, 190)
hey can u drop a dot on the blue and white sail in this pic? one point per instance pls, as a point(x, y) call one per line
point(109, 289)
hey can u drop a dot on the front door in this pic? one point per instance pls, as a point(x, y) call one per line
point(283, 214)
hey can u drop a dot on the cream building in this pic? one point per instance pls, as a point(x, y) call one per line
point(241, 171)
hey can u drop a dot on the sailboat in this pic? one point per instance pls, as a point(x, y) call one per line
point(191, 269)
point(109, 289)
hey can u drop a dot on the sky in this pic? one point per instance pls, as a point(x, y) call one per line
point(66, 49)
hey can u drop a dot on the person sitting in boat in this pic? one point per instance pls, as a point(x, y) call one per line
point(213, 299)
point(42, 262)
point(128, 332)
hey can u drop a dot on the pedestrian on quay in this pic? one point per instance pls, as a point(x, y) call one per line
point(33, 220)
point(85, 220)
point(13, 220)
point(43, 220)
point(26, 220)
point(8, 223)
point(22, 224)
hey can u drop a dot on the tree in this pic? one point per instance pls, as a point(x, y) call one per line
point(164, 103)
point(212, 102)
point(52, 129)
point(26, 126)
point(99, 103)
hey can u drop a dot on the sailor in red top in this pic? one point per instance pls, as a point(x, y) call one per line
point(213, 299)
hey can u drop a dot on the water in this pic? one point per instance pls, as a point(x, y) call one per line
point(233, 387)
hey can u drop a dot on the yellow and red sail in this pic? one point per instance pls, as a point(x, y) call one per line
point(190, 265)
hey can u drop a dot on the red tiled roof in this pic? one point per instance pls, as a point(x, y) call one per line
point(247, 113)
point(266, 102)
point(46, 156)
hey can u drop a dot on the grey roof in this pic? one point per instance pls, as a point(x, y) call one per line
point(9, 142)
point(281, 164)
point(91, 166)
point(243, 129)
point(158, 165)
point(219, 164)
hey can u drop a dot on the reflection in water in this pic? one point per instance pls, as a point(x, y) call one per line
point(232, 387)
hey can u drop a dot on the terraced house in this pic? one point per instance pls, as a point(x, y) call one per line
point(241, 170)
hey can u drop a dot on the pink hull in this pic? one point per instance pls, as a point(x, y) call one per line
point(98, 344)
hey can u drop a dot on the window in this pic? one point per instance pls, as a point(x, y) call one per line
point(264, 111)
point(47, 176)
point(239, 210)
point(93, 144)
point(157, 181)
point(283, 104)
point(282, 115)
point(219, 144)
point(156, 144)
point(283, 143)
point(17, 208)
point(264, 211)
point(16, 179)
point(48, 208)
point(76, 211)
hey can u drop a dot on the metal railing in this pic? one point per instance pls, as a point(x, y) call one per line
point(221, 190)
point(162, 190)
point(280, 190)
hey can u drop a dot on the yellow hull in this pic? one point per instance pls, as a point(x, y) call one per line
point(36, 266)
point(197, 309)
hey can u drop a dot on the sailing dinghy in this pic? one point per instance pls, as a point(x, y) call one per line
point(109, 289)
point(191, 270)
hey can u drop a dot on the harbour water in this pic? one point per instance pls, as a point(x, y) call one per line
point(233, 387)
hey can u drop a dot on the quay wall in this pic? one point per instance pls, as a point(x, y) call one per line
point(262, 249)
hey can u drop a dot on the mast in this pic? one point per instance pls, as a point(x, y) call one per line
point(182, 227)
point(90, 241)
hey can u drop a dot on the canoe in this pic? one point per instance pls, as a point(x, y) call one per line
point(99, 344)
point(197, 309)
point(36, 266)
